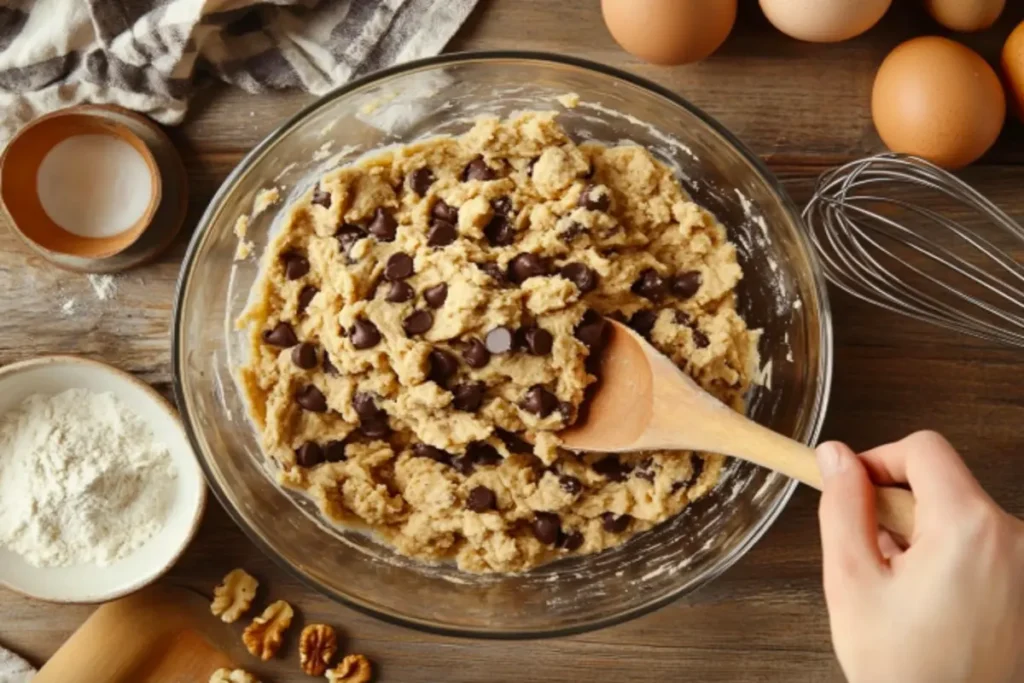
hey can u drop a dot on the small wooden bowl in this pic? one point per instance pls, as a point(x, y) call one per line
point(19, 194)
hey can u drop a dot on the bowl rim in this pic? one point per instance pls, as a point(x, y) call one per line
point(753, 535)
point(30, 364)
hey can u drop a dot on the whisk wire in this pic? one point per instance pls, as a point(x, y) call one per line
point(883, 248)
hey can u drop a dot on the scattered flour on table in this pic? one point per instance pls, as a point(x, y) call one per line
point(82, 479)
point(103, 286)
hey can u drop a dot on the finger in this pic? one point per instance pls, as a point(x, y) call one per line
point(888, 546)
point(846, 514)
point(927, 462)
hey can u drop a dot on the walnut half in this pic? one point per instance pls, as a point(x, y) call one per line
point(263, 636)
point(229, 676)
point(352, 669)
point(317, 646)
point(233, 597)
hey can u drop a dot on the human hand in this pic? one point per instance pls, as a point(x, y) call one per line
point(948, 608)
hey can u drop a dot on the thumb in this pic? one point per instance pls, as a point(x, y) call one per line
point(849, 530)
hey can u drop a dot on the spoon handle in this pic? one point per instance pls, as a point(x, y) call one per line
point(755, 443)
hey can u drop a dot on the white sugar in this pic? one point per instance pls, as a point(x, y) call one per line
point(94, 185)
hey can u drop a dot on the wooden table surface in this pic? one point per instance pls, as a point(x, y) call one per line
point(802, 107)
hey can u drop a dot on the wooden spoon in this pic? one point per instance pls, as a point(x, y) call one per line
point(645, 402)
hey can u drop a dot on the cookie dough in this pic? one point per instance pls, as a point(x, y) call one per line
point(426, 321)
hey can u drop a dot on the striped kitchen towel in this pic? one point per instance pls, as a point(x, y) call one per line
point(149, 55)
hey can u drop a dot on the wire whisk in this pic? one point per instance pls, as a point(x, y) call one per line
point(880, 235)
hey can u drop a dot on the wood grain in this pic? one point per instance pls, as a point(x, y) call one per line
point(802, 107)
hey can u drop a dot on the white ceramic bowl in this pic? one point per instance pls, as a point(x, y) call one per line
point(88, 583)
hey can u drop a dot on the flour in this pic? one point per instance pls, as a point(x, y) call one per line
point(103, 286)
point(82, 480)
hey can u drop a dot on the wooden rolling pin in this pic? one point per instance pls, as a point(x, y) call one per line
point(162, 634)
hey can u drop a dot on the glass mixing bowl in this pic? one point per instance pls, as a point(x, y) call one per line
point(782, 293)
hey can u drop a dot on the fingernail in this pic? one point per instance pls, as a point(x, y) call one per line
point(830, 460)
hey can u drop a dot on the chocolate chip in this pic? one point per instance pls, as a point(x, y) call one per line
point(304, 356)
point(420, 180)
point(442, 211)
point(649, 285)
point(645, 470)
point(570, 485)
point(312, 399)
point(478, 170)
point(697, 465)
point(539, 401)
point(646, 475)
point(494, 272)
point(538, 341)
point(678, 485)
point(612, 468)
point(309, 454)
point(435, 296)
point(306, 297)
point(572, 232)
point(643, 322)
point(347, 235)
point(481, 499)
point(595, 198)
point(502, 205)
point(400, 292)
point(571, 542)
point(282, 335)
point(512, 442)
point(682, 318)
point(476, 354)
point(483, 453)
point(700, 340)
point(592, 330)
point(469, 396)
point(364, 334)
point(442, 366)
point(422, 450)
point(328, 365)
point(464, 465)
point(499, 340)
point(321, 197)
point(334, 451)
point(383, 226)
point(499, 231)
point(365, 405)
point(399, 267)
point(584, 277)
point(685, 285)
point(524, 266)
point(529, 166)
point(375, 429)
point(417, 322)
point(295, 265)
point(441, 234)
point(615, 524)
point(546, 526)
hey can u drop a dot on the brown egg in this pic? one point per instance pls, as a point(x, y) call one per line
point(937, 99)
point(669, 31)
point(1013, 69)
point(965, 15)
point(824, 21)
